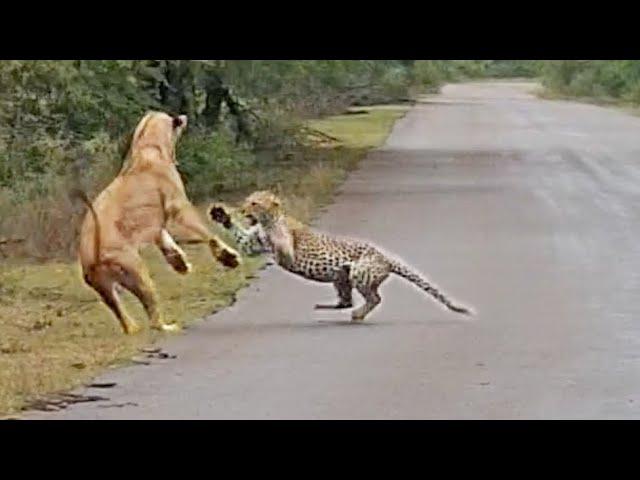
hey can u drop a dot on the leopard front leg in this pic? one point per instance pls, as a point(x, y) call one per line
point(344, 288)
point(251, 241)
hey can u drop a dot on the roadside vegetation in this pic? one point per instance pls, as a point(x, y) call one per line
point(600, 81)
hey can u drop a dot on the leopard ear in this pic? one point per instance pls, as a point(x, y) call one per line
point(273, 197)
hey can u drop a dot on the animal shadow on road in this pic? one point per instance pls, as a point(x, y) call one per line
point(294, 326)
point(343, 323)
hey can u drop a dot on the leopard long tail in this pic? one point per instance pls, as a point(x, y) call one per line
point(405, 272)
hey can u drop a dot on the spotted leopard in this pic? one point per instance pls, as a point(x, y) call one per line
point(316, 256)
point(251, 240)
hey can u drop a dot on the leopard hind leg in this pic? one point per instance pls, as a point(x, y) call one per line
point(367, 274)
point(344, 289)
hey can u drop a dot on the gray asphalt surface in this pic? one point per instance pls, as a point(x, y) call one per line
point(522, 208)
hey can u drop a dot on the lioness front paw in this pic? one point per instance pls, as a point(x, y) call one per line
point(178, 262)
point(226, 255)
point(229, 258)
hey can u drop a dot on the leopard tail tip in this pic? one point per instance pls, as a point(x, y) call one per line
point(463, 311)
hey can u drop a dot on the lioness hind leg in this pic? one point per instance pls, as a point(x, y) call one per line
point(173, 254)
point(135, 278)
point(103, 283)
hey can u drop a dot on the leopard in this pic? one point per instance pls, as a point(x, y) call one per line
point(347, 263)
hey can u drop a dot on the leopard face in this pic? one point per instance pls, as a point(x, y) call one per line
point(263, 207)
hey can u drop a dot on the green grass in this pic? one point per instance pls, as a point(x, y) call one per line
point(55, 335)
point(361, 130)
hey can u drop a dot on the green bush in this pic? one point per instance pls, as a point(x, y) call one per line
point(429, 74)
point(212, 164)
point(616, 79)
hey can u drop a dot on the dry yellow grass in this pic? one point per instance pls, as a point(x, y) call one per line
point(54, 334)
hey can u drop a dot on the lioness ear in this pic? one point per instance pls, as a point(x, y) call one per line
point(130, 140)
point(125, 146)
point(140, 128)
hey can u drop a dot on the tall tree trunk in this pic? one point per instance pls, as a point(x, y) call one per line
point(215, 93)
point(244, 131)
point(178, 95)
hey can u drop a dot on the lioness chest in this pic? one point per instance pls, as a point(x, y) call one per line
point(132, 208)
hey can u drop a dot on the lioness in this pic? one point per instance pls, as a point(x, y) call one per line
point(134, 210)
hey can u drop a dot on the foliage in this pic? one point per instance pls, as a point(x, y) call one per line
point(614, 79)
point(64, 123)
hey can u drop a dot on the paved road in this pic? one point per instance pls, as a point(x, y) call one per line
point(525, 209)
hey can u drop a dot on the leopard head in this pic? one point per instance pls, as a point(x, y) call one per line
point(263, 207)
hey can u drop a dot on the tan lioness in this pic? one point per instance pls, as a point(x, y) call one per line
point(133, 211)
